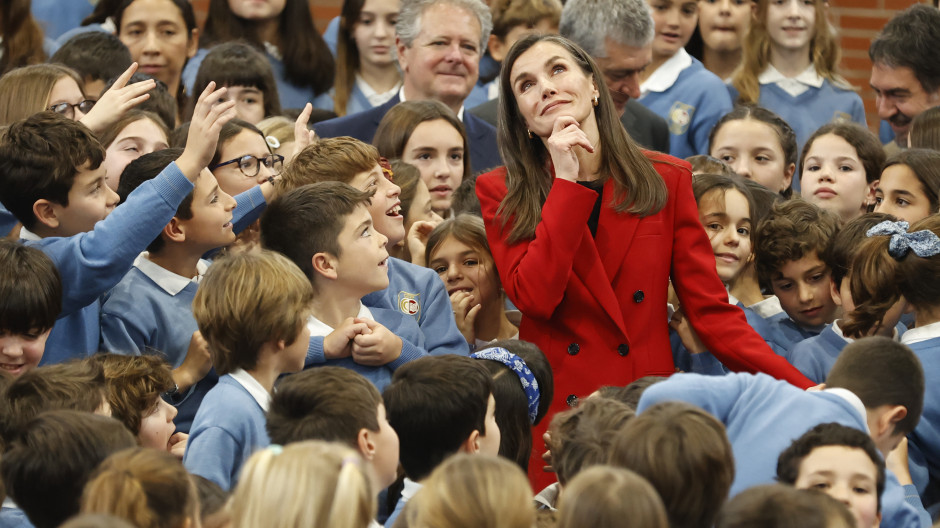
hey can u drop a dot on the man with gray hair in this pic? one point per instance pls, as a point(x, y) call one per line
point(439, 44)
point(618, 34)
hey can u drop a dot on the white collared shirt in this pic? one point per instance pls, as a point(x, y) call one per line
point(320, 329)
point(852, 400)
point(838, 331)
point(375, 98)
point(401, 98)
point(921, 333)
point(792, 85)
point(410, 488)
point(665, 76)
point(768, 307)
point(166, 279)
point(253, 386)
point(26, 234)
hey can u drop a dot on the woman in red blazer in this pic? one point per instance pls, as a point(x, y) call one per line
point(586, 231)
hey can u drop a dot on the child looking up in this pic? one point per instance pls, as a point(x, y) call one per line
point(789, 67)
point(840, 168)
point(909, 187)
point(413, 290)
point(52, 180)
point(815, 356)
point(900, 262)
point(139, 132)
point(842, 462)
point(30, 302)
point(459, 253)
point(251, 309)
point(758, 145)
point(791, 245)
point(327, 231)
point(676, 85)
point(420, 218)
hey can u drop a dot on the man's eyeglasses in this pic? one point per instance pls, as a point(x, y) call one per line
point(68, 109)
point(251, 165)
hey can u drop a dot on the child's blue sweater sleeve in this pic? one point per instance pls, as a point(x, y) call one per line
point(214, 453)
point(248, 207)
point(91, 263)
point(717, 395)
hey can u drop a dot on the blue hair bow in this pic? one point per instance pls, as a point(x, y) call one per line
point(518, 366)
point(923, 243)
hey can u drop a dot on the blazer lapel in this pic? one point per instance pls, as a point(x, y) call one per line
point(614, 234)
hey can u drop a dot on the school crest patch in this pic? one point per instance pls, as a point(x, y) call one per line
point(409, 304)
point(680, 116)
point(841, 117)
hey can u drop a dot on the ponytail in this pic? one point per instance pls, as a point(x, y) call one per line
point(874, 287)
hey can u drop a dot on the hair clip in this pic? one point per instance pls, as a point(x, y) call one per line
point(272, 142)
point(923, 243)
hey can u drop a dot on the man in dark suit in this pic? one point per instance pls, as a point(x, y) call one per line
point(439, 44)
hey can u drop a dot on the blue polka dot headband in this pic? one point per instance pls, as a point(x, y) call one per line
point(923, 243)
point(519, 368)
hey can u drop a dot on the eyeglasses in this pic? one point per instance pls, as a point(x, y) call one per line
point(68, 109)
point(251, 165)
point(387, 169)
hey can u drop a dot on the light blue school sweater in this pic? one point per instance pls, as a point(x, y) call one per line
point(291, 95)
point(763, 416)
point(782, 333)
point(815, 356)
point(228, 429)
point(924, 444)
point(399, 324)
point(691, 105)
point(13, 517)
point(93, 262)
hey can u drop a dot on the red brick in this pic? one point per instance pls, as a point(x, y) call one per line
point(864, 22)
point(856, 63)
point(856, 43)
point(899, 4)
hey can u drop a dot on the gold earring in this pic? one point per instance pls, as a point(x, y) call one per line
point(596, 101)
point(531, 136)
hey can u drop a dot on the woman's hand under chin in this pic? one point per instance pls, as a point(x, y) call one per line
point(566, 135)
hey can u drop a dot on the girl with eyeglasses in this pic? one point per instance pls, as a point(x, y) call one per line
point(243, 159)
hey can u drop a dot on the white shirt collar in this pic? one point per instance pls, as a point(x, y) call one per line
point(26, 234)
point(411, 487)
point(852, 400)
point(253, 386)
point(838, 331)
point(401, 99)
point(166, 279)
point(375, 98)
point(921, 333)
point(768, 307)
point(665, 76)
point(319, 328)
point(8, 503)
point(792, 85)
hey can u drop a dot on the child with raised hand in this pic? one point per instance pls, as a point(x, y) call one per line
point(413, 290)
point(52, 180)
point(137, 133)
point(790, 60)
point(909, 187)
point(842, 462)
point(840, 168)
point(606, 497)
point(312, 484)
point(758, 145)
point(791, 246)
point(30, 302)
point(468, 491)
point(523, 388)
point(814, 356)
point(457, 250)
point(149, 488)
point(676, 86)
point(97, 57)
point(897, 262)
point(327, 231)
point(251, 309)
point(248, 76)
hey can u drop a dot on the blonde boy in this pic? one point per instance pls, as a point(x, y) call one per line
point(251, 309)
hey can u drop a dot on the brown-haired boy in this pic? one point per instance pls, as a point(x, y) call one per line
point(327, 231)
point(52, 180)
point(791, 244)
point(412, 290)
point(336, 405)
point(251, 309)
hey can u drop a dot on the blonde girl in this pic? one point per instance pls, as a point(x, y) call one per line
point(470, 491)
point(460, 254)
point(789, 66)
point(146, 487)
point(312, 484)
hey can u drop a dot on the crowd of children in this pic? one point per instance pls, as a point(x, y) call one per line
point(211, 317)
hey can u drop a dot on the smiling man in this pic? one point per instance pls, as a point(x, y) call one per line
point(439, 44)
point(905, 73)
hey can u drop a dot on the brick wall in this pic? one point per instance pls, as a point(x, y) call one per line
point(858, 22)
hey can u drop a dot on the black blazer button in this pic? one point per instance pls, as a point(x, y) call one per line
point(572, 400)
point(573, 349)
point(623, 349)
point(638, 296)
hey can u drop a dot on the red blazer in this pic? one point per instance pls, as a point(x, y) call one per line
point(596, 306)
